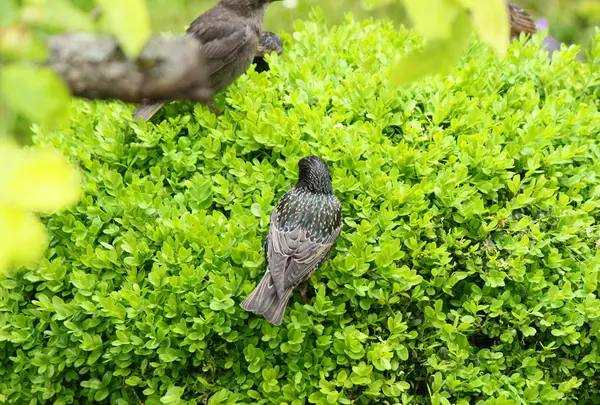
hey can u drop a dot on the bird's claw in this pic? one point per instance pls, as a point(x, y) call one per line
point(303, 288)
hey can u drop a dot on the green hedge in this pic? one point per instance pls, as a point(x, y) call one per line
point(466, 272)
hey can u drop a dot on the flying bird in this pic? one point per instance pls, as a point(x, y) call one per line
point(229, 33)
point(305, 224)
point(268, 43)
point(520, 21)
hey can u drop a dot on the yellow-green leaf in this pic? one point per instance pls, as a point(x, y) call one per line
point(36, 92)
point(9, 12)
point(129, 22)
point(58, 15)
point(492, 23)
point(432, 18)
point(38, 180)
point(437, 56)
point(21, 43)
point(23, 238)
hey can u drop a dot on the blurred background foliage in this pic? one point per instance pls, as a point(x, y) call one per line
point(571, 21)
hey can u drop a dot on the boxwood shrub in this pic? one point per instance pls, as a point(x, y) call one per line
point(466, 272)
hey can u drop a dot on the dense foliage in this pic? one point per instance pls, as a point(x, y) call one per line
point(466, 271)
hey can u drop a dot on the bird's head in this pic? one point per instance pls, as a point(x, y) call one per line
point(247, 5)
point(314, 175)
point(269, 42)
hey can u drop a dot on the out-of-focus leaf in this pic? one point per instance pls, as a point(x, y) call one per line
point(129, 22)
point(9, 12)
point(38, 180)
point(20, 43)
point(371, 4)
point(23, 238)
point(437, 56)
point(432, 18)
point(7, 118)
point(492, 23)
point(37, 93)
point(59, 15)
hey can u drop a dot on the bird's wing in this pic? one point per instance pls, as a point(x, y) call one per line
point(221, 40)
point(520, 20)
point(293, 255)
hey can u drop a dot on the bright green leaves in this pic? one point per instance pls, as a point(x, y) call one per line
point(129, 22)
point(446, 25)
point(467, 269)
point(37, 93)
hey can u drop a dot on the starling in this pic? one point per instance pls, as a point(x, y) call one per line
point(304, 226)
point(520, 21)
point(229, 33)
point(269, 42)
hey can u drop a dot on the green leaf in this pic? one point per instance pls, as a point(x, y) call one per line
point(129, 22)
point(492, 23)
point(437, 56)
point(432, 18)
point(9, 13)
point(173, 395)
point(37, 93)
point(59, 15)
point(17, 43)
point(256, 209)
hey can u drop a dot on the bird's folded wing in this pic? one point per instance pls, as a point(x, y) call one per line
point(293, 255)
point(221, 41)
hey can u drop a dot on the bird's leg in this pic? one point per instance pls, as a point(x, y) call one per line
point(303, 289)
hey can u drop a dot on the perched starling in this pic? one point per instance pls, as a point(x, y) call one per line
point(304, 226)
point(269, 42)
point(520, 21)
point(229, 33)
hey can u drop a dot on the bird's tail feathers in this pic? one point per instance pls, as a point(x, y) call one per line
point(146, 111)
point(265, 301)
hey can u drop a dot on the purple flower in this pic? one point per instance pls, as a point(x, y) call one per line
point(551, 44)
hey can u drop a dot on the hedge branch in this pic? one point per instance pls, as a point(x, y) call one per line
point(95, 67)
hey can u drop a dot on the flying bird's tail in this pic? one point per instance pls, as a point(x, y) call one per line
point(265, 301)
point(146, 111)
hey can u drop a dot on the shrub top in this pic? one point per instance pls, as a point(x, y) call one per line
point(466, 272)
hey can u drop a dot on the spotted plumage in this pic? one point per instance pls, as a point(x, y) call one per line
point(305, 224)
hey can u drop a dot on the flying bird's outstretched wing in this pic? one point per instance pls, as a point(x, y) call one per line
point(520, 21)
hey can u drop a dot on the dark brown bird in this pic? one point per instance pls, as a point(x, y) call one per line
point(229, 33)
point(520, 21)
point(305, 224)
point(268, 43)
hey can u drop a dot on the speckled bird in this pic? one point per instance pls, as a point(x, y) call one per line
point(268, 43)
point(305, 224)
point(229, 33)
point(520, 21)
